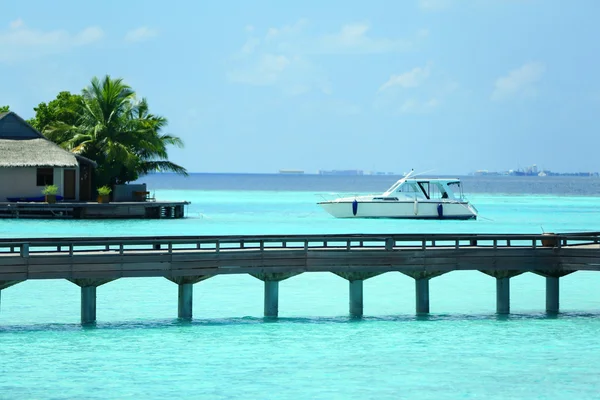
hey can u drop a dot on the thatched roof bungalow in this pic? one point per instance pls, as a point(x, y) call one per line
point(29, 161)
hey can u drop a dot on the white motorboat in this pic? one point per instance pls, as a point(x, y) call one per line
point(410, 197)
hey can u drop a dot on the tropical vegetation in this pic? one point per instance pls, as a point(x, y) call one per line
point(104, 190)
point(50, 190)
point(65, 108)
point(108, 124)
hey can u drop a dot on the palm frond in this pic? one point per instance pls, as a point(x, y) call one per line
point(161, 166)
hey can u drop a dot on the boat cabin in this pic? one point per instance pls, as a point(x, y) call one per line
point(426, 189)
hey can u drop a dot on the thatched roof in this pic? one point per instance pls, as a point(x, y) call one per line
point(23, 146)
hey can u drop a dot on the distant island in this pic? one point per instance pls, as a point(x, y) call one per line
point(531, 171)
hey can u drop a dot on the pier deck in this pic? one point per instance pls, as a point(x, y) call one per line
point(91, 262)
point(94, 210)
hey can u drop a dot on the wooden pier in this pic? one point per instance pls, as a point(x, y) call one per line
point(93, 210)
point(91, 262)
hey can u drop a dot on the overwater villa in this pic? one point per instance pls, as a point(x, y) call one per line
point(29, 162)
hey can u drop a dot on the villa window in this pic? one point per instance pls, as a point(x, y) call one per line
point(45, 176)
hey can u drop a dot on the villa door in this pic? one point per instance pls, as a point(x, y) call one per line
point(69, 184)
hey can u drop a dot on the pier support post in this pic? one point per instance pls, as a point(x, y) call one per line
point(422, 295)
point(503, 288)
point(552, 294)
point(503, 295)
point(185, 297)
point(271, 282)
point(355, 292)
point(271, 298)
point(553, 288)
point(185, 301)
point(88, 298)
point(88, 305)
point(422, 288)
point(356, 298)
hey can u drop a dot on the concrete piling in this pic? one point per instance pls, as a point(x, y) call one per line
point(422, 295)
point(503, 295)
point(88, 305)
point(552, 294)
point(185, 301)
point(356, 297)
point(271, 299)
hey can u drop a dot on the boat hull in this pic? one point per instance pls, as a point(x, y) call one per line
point(399, 209)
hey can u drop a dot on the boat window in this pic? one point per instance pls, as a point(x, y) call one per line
point(425, 188)
point(409, 188)
point(438, 192)
point(386, 198)
point(456, 188)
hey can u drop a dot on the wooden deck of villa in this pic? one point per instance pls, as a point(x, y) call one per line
point(186, 260)
point(94, 210)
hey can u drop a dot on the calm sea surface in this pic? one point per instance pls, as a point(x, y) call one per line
point(314, 351)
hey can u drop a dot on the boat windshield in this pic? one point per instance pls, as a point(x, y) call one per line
point(402, 187)
point(393, 188)
point(456, 187)
point(398, 183)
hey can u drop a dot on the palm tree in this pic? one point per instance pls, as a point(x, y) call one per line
point(118, 133)
point(150, 144)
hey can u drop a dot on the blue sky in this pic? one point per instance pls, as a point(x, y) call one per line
point(445, 85)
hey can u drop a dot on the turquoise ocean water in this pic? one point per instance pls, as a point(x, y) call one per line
point(314, 350)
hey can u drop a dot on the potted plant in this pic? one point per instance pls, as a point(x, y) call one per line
point(103, 193)
point(550, 241)
point(49, 191)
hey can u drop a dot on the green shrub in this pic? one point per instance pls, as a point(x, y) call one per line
point(50, 190)
point(104, 190)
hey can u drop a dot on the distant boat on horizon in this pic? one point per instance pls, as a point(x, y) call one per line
point(291, 171)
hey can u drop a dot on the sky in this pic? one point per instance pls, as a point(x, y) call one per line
point(450, 86)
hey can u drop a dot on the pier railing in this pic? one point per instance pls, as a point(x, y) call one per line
point(123, 245)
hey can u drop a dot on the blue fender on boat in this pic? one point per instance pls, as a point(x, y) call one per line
point(354, 207)
point(440, 209)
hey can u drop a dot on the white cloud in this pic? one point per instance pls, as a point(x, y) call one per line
point(423, 33)
point(140, 34)
point(17, 23)
point(293, 75)
point(287, 30)
point(89, 35)
point(355, 39)
point(519, 82)
point(417, 91)
point(250, 45)
point(270, 60)
point(434, 5)
point(415, 106)
point(19, 41)
point(265, 71)
point(431, 98)
point(410, 79)
point(258, 61)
